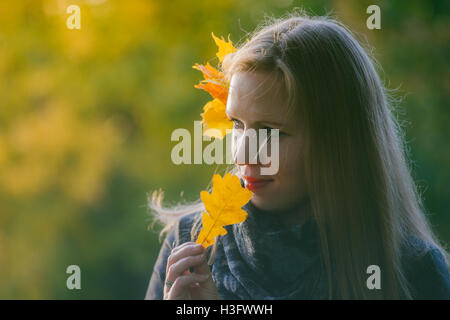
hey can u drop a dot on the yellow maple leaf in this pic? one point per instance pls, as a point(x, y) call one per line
point(223, 207)
point(214, 117)
point(216, 90)
point(209, 72)
point(225, 47)
point(207, 238)
point(214, 82)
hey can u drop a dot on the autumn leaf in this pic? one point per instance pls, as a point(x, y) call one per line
point(214, 117)
point(206, 238)
point(214, 82)
point(209, 72)
point(223, 207)
point(225, 47)
point(217, 91)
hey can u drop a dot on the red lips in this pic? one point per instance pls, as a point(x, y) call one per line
point(253, 184)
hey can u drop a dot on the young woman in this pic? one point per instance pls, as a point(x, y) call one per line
point(342, 206)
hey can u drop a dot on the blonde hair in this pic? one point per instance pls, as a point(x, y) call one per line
point(362, 194)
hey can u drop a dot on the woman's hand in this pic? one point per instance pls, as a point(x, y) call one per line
point(180, 283)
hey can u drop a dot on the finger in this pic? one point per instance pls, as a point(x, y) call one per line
point(187, 250)
point(184, 282)
point(203, 267)
point(179, 267)
point(173, 251)
point(170, 261)
point(181, 246)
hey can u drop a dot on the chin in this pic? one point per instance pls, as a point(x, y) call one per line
point(263, 204)
point(274, 203)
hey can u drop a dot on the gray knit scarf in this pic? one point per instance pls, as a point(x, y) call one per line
point(262, 259)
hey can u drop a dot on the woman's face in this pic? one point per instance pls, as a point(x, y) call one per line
point(256, 102)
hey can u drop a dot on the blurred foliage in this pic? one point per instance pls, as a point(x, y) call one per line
point(86, 117)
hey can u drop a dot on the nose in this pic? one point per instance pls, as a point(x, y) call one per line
point(241, 146)
point(246, 149)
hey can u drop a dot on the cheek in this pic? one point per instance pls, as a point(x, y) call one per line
point(291, 164)
point(236, 141)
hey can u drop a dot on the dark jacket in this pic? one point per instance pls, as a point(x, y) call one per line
point(427, 273)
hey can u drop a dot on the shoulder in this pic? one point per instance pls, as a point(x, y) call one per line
point(426, 270)
point(178, 234)
point(183, 228)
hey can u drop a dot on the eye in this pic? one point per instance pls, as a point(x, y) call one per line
point(237, 124)
point(280, 133)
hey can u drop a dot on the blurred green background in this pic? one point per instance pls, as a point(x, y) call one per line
point(86, 117)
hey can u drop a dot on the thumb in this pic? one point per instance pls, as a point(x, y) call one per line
point(203, 267)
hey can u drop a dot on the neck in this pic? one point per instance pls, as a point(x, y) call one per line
point(293, 215)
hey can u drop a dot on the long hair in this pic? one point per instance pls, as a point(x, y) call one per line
point(362, 194)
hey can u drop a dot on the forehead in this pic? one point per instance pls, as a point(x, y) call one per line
point(256, 94)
